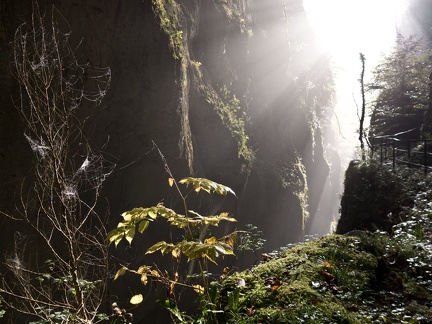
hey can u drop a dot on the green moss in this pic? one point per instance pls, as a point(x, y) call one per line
point(227, 105)
point(228, 108)
point(316, 280)
point(370, 277)
point(235, 16)
point(168, 13)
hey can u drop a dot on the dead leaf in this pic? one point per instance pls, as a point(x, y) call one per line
point(265, 257)
point(170, 182)
point(251, 311)
point(328, 276)
point(273, 283)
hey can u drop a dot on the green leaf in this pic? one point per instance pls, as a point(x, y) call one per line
point(173, 309)
point(152, 213)
point(142, 226)
point(208, 186)
point(210, 249)
point(116, 235)
point(120, 272)
point(162, 246)
point(135, 214)
point(130, 233)
point(206, 220)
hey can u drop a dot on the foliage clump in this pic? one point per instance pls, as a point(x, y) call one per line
point(198, 244)
point(373, 197)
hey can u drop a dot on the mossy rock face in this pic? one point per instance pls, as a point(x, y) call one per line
point(302, 284)
point(374, 196)
point(365, 277)
point(369, 278)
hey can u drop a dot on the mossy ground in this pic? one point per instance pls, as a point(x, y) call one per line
point(368, 277)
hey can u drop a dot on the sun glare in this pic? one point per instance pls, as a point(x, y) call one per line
point(345, 26)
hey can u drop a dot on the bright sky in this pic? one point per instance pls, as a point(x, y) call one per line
point(345, 28)
point(355, 25)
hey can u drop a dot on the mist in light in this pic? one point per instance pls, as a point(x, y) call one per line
point(346, 28)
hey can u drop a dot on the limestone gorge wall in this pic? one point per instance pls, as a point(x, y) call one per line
point(231, 90)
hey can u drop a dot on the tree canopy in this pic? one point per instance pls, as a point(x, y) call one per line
point(402, 81)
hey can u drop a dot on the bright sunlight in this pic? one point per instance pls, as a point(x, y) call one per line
point(345, 26)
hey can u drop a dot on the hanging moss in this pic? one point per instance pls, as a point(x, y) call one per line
point(228, 108)
point(227, 105)
point(169, 15)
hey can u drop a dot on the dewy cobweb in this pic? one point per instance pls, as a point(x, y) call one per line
point(39, 148)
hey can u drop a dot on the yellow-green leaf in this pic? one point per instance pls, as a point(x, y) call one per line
point(155, 273)
point(158, 246)
point(120, 272)
point(198, 289)
point(142, 269)
point(176, 253)
point(127, 216)
point(116, 235)
point(206, 185)
point(129, 235)
point(152, 213)
point(137, 299)
point(211, 240)
point(225, 216)
point(142, 226)
point(118, 239)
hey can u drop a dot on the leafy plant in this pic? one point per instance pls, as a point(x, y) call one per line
point(198, 245)
point(251, 239)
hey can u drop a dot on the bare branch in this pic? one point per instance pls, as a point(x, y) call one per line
point(68, 176)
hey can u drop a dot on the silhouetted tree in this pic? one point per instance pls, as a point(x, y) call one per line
point(363, 109)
